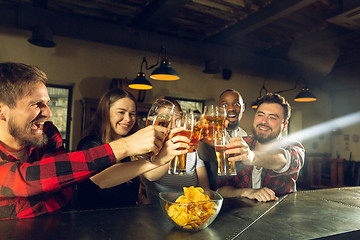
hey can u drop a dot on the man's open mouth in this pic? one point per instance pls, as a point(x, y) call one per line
point(37, 126)
point(232, 117)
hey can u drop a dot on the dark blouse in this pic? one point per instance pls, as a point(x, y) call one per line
point(91, 196)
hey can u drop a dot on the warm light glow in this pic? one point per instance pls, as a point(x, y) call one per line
point(140, 86)
point(254, 105)
point(322, 128)
point(305, 99)
point(140, 82)
point(164, 77)
point(305, 96)
point(165, 72)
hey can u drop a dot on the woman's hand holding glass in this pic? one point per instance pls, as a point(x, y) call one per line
point(177, 145)
point(146, 140)
point(185, 123)
point(160, 113)
point(174, 146)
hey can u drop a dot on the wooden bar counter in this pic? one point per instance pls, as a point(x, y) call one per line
point(324, 214)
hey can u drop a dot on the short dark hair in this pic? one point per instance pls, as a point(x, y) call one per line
point(15, 79)
point(172, 100)
point(229, 90)
point(276, 98)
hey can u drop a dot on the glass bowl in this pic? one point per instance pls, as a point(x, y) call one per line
point(191, 216)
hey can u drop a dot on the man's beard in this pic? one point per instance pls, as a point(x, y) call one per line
point(265, 139)
point(25, 136)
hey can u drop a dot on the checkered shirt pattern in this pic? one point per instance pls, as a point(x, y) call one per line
point(280, 183)
point(43, 184)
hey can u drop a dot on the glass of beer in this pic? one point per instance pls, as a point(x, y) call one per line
point(214, 117)
point(224, 166)
point(230, 167)
point(186, 123)
point(219, 143)
point(160, 113)
point(196, 134)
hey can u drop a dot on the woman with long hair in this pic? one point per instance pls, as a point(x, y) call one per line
point(117, 185)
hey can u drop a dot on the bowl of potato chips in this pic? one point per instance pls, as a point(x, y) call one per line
point(193, 209)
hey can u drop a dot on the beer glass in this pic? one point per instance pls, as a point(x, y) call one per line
point(219, 143)
point(230, 165)
point(214, 117)
point(186, 123)
point(197, 132)
point(225, 167)
point(160, 113)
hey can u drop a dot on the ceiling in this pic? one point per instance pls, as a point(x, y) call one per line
point(301, 39)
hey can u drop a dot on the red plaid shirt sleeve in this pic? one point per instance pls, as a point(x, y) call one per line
point(42, 185)
point(280, 183)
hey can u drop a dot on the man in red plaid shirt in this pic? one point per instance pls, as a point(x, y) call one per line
point(266, 166)
point(36, 175)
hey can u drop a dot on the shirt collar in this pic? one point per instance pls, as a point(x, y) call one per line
point(8, 155)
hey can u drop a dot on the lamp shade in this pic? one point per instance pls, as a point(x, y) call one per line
point(254, 105)
point(140, 82)
point(305, 96)
point(42, 37)
point(165, 72)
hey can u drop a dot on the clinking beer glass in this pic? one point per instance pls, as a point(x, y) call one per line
point(230, 165)
point(224, 166)
point(186, 122)
point(160, 113)
point(197, 132)
point(214, 117)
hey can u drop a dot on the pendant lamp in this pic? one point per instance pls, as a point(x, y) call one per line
point(254, 105)
point(140, 82)
point(305, 96)
point(42, 36)
point(164, 72)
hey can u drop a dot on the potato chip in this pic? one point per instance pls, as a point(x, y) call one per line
point(195, 211)
point(183, 199)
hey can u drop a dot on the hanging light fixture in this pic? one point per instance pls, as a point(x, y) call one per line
point(140, 82)
point(164, 72)
point(42, 36)
point(305, 96)
point(254, 105)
